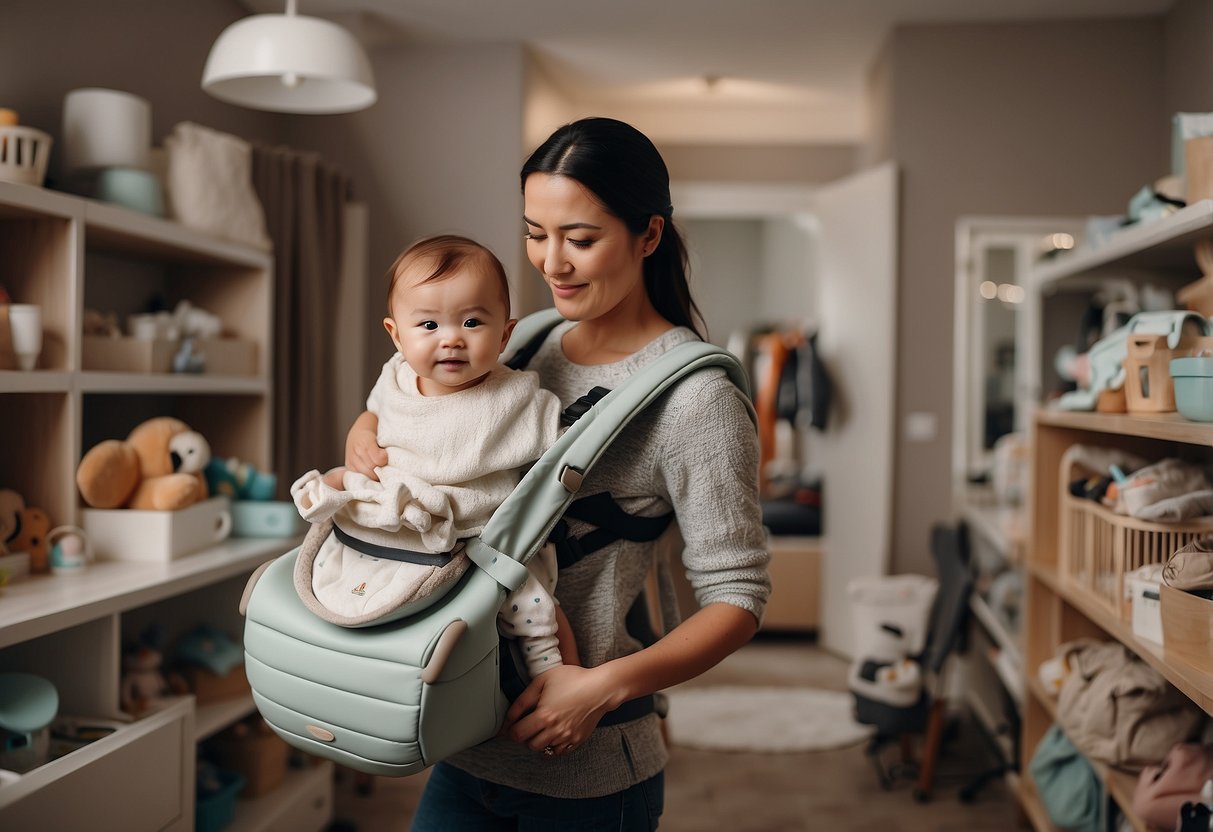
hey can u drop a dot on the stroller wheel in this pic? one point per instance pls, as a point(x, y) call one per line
point(920, 795)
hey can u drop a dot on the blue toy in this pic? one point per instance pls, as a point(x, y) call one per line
point(239, 480)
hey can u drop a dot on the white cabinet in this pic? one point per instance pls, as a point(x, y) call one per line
point(67, 254)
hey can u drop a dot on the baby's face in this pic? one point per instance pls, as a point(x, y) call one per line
point(451, 331)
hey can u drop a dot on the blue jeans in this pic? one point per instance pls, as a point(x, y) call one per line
point(455, 801)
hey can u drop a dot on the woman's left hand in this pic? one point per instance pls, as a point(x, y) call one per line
point(559, 709)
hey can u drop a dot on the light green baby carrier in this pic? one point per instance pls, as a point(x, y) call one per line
point(393, 697)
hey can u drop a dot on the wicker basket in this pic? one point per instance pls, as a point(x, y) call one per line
point(1097, 546)
point(24, 153)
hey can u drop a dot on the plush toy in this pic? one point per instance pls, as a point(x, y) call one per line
point(158, 466)
point(23, 529)
point(239, 480)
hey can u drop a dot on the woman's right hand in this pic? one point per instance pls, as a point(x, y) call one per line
point(362, 451)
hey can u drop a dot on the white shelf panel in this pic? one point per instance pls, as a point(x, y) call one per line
point(994, 626)
point(1162, 245)
point(213, 718)
point(38, 381)
point(17, 200)
point(36, 606)
point(159, 383)
point(122, 230)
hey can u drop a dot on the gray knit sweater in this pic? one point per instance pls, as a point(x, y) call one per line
point(696, 450)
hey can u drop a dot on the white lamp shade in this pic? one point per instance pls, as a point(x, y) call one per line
point(289, 64)
point(105, 128)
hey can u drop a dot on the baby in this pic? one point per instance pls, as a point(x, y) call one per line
point(457, 426)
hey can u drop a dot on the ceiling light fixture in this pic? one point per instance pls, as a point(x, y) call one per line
point(289, 63)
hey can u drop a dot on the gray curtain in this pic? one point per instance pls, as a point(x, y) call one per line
point(304, 201)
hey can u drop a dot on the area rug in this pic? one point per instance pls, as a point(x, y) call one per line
point(762, 719)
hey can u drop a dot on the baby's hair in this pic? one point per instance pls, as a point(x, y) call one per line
point(442, 256)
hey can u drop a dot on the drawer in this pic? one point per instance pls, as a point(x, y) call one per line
point(132, 780)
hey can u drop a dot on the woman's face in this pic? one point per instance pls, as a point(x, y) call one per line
point(593, 265)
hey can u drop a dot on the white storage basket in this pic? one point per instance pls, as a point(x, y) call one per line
point(24, 153)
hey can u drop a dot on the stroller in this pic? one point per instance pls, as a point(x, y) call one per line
point(907, 625)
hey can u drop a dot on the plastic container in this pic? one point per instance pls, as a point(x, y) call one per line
point(1144, 602)
point(1193, 379)
point(216, 810)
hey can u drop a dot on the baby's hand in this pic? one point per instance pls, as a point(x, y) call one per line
point(362, 451)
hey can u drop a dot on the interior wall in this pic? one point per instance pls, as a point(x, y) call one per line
point(726, 270)
point(788, 295)
point(438, 153)
point(1059, 118)
point(810, 164)
point(149, 48)
point(1188, 54)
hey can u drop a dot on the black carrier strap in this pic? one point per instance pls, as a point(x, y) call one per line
point(527, 351)
point(611, 524)
point(389, 553)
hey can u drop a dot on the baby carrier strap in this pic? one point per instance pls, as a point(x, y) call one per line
point(525, 519)
point(528, 336)
point(611, 524)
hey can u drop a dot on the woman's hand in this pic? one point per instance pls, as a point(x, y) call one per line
point(362, 451)
point(559, 709)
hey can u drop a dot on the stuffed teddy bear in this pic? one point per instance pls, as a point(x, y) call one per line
point(23, 529)
point(158, 466)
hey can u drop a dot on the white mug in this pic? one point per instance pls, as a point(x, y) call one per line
point(25, 325)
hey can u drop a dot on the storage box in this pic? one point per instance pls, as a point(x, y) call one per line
point(223, 356)
point(126, 534)
point(209, 687)
point(127, 355)
point(1149, 387)
point(1187, 625)
point(256, 753)
point(268, 518)
point(215, 809)
point(1145, 608)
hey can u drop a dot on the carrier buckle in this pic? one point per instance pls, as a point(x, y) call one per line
point(571, 479)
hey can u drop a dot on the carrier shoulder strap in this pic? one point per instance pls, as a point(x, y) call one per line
point(528, 336)
point(522, 523)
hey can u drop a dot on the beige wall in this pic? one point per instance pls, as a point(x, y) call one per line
point(150, 48)
point(438, 153)
point(1061, 118)
point(752, 163)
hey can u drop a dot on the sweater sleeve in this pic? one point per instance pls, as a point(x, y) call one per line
point(710, 469)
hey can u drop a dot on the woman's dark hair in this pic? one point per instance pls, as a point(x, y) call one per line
point(622, 169)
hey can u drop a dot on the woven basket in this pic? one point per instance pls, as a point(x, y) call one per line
point(24, 153)
point(1097, 546)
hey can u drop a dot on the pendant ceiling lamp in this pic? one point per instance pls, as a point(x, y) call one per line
point(289, 63)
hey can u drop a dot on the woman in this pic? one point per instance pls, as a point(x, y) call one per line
point(598, 216)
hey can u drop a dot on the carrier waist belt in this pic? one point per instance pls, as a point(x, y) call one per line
point(389, 553)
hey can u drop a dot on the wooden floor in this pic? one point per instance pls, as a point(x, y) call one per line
point(819, 791)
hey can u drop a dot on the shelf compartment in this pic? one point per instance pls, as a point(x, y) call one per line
point(1194, 681)
point(213, 718)
point(38, 264)
point(304, 802)
point(41, 445)
point(123, 231)
point(233, 415)
point(143, 773)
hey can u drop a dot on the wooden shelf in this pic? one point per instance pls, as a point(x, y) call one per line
point(165, 383)
point(1162, 246)
point(1033, 808)
point(1166, 426)
point(43, 604)
point(120, 230)
point(37, 381)
point(1193, 681)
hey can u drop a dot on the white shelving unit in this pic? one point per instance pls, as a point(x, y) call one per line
point(1056, 612)
point(67, 254)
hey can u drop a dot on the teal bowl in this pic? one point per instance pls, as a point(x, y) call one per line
point(1193, 380)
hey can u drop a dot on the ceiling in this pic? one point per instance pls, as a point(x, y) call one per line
point(719, 71)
